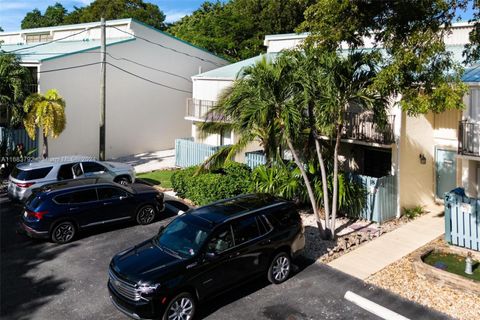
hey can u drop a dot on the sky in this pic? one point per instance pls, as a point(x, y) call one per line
point(13, 11)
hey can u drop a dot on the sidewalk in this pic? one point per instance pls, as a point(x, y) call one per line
point(379, 253)
point(146, 162)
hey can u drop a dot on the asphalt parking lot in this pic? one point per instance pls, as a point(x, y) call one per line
point(42, 280)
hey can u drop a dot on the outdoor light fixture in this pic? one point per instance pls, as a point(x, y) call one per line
point(422, 158)
point(468, 264)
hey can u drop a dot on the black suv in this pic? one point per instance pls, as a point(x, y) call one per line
point(205, 252)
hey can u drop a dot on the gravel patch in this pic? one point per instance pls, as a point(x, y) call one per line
point(400, 277)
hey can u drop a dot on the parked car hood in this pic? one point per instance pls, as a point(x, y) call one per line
point(142, 188)
point(144, 262)
point(118, 166)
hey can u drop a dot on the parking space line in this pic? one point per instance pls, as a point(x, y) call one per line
point(373, 307)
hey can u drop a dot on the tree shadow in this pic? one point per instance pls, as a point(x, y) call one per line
point(22, 290)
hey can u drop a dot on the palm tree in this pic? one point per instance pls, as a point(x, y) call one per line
point(263, 105)
point(13, 87)
point(345, 83)
point(46, 112)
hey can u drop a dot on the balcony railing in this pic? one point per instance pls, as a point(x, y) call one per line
point(360, 126)
point(469, 138)
point(201, 110)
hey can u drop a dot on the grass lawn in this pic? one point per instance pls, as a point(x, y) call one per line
point(454, 264)
point(159, 177)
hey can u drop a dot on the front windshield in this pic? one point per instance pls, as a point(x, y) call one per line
point(182, 237)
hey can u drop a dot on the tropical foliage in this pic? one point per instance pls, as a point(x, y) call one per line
point(56, 14)
point(235, 29)
point(14, 87)
point(46, 112)
point(231, 180)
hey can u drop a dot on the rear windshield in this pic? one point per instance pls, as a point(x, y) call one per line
point(33, 201)
point(33, 174)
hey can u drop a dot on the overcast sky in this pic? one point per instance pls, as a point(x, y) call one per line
point(13, 11)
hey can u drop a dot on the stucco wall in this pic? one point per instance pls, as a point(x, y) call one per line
point(140, 116)
point(416, 179)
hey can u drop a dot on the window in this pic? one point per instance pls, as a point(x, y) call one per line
point(221, 241)
point(245, 230)
point(83, 196)
point(65, 172)
point(77, 170)
point(264, 225)
point(284, 216)
point(110, 193)
point(92, 167)
point(63, 199)
point(40, 37)
point(33, 174)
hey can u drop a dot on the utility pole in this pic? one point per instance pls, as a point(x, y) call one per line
point(103, 81)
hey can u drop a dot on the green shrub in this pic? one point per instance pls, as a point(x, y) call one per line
point(203, 188)
point(414, 212)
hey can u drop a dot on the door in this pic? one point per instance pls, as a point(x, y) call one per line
point(445, 171)
point(82, 205)
point(116, 204)
point(93, 169)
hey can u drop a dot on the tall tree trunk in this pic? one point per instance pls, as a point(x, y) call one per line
point(45, 147)
point(326, 201)
point(335, 180)
point(310, 192)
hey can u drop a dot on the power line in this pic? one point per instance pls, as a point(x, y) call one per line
point(52, 41)
point(165, 47)
point(148, 67)
point(68, 68)
point(148, 80)
point(115, 58)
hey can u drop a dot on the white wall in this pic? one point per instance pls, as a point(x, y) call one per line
point(140, 116)
point(209, 89)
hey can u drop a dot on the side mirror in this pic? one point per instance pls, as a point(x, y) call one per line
point(160, 230)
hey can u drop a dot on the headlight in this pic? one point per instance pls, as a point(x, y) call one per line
point(145, 289)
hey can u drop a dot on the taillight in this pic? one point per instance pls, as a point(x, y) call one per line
point(36, 215)
point(24, 184)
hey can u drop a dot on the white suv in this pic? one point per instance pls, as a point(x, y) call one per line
point(30, 175)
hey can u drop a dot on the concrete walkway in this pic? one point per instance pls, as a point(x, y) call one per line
point(379, 253)
point(151, 161)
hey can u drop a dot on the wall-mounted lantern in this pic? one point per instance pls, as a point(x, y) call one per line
point(422, 158)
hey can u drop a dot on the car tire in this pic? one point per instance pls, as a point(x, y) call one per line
point(180, 307)
point(146, 214)
point(280, 268)
point(123, 181)
point(63, 232)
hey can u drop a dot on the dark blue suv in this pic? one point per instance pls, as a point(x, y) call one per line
point(58, 211)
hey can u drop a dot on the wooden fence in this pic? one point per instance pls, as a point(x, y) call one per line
point(462, 220)
point(189, 153)
point(254, 159)
point(380, 198)
point(13, 137)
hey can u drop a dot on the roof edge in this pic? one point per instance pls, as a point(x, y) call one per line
point(84, 50)
point(178, 39)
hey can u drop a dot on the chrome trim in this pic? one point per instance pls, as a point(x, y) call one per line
point(124, 288)
point(125, 311)
point(105, 221)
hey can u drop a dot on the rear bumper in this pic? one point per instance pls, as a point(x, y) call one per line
point(29, 231)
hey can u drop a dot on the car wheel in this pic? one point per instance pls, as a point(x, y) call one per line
point(146, 214)
point(182, 307)
point(279, 268)
point(63, 232)
point(123, 181)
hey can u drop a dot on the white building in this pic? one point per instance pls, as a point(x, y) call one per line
point(142, 115)
point(414, 162)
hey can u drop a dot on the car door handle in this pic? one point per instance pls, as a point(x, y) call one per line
point(233, 255)
point(107, 203)
point(73, 209)
point(265, 242)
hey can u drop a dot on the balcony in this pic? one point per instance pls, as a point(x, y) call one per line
point(199, 110)
point(361, 127)
point(469, 138)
